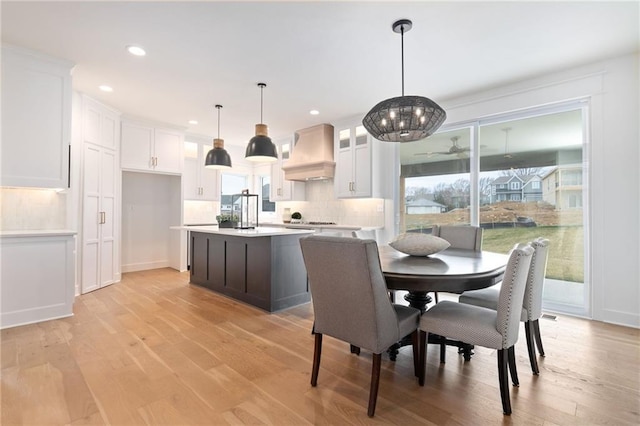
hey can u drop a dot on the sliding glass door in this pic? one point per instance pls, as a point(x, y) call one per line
point(519, 177)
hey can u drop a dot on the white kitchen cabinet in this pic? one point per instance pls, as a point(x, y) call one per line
point(37, 276)
point(282, 189)
point(100, 124)
point(199, 182)
point(362, 163)
point(100, 170)
point(151, 149)
point(36, 119)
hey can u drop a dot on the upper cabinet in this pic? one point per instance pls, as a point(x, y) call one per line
point(151, 149)
point(100, 124)
point(360, 164)
point(36, 119)
point(282, 189)
point(199, 182)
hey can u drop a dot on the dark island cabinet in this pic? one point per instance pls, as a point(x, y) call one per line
point(264, 271)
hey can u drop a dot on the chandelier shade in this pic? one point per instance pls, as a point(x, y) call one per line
point(261, 148)
point(218, 157)
point(404, 118)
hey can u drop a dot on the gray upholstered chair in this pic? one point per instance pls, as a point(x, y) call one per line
point(532, 304)
point(459, 236)
point(496, 329)
point(364, 234)
point(350, 302)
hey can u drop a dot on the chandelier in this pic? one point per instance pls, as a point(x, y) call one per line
point(404, 118)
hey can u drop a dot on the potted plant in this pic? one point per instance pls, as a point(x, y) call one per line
point(296, 217)
point(227, 220)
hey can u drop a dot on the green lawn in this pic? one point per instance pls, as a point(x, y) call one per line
point(566, 249)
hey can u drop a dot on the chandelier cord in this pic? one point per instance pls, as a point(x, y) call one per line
point(402, 54)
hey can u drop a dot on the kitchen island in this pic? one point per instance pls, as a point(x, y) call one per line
point(261, 266)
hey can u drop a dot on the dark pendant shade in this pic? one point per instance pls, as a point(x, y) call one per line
point(218, 157)
point(260, 147)
point(404, 119)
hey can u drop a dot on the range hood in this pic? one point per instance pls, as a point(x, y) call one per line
point(312, 155)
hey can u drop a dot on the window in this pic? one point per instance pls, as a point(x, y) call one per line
point(230, 184)
point(266, 205)
point(543, 148)
point(435, 183)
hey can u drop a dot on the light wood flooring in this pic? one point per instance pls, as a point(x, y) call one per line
point(155, 350)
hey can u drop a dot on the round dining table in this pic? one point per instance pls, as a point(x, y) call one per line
point(451, 270)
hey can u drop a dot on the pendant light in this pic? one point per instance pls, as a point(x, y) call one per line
point(260, 147)
point(405, 118)
point(218, 157)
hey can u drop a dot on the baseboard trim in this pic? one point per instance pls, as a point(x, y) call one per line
point(144, 266)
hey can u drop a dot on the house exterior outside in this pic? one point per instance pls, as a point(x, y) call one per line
point(527, 188)
point(423, 206)
point(562, 187)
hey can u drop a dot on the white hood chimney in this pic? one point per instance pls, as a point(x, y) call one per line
point(312, 155)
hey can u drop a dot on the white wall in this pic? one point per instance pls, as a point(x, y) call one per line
point(612, 89)
point(150, 205)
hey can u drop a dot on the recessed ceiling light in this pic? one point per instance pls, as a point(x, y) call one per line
point(106, 88)
point(136, 50)
point(193, 121)
point(314, 112)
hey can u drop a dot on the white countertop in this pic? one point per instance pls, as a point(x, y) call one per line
point(314, 226)
point(37, 233)
point(262, 231)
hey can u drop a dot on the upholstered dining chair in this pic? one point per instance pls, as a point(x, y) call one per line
point(364, 234)
point(496, 329)
point(350, 302)
point(459, 236)
point(532, 304)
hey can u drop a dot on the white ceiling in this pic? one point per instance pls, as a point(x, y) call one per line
point(338, 57)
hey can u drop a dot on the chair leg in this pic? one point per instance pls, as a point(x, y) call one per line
point(415, 344)
point(422, 341)
point(354, 349)
point(511, 353)
point(443, 352)
point(316, 359)
point(503, 378)
point(392, 296)
point(375, 382)
point(536, 332)
point(531, 348)
point(435, 296)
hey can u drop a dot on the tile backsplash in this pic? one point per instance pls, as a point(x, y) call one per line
point(321, 205)
point(200, 212)
point(32, 209)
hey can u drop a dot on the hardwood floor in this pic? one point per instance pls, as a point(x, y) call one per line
point(155, 350)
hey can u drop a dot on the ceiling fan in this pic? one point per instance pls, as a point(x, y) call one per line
point(454, 149)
